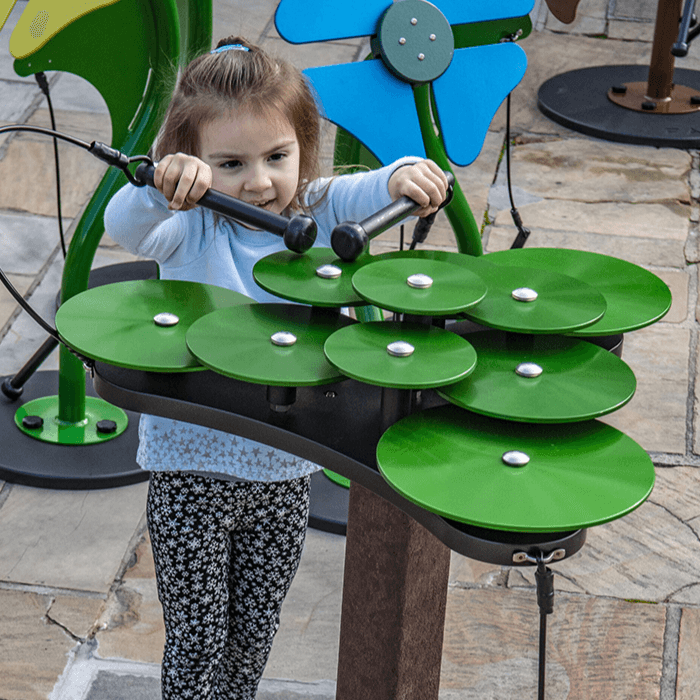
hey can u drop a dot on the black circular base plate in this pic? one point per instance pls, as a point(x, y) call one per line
point(24, 460)
point(579, 100)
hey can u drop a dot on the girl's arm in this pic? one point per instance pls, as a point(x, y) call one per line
point(355, 197)
point(155, 224)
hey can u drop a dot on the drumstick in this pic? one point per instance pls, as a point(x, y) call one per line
point(298, 232)
point(350, 239)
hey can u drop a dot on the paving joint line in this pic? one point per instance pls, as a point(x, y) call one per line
point(669, 664)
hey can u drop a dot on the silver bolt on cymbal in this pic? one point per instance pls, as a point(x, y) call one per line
point(166, 319)
point(524, 294)
point(419, 281)
point(283, 338)
point(329, 272)
point(400, 348)
point(402, 40)
point(515, 458)
point(528, 369)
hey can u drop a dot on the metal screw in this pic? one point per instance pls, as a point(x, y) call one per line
point(402, 40)
point(421, 56)
point(432, 37)
point(32, 422)
point(414, 21)
point(331, 394)
point(619, 89)
point(649, 106)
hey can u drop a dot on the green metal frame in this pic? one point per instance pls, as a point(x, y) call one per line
point(128, 51)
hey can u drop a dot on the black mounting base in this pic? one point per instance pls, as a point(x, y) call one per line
point(579, 100)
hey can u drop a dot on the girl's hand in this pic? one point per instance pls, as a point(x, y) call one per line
point(183, 180)
point(424, 182)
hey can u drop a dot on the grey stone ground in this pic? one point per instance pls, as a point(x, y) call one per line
point(79, 616)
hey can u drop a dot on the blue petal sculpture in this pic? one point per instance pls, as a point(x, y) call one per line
point(412, 45)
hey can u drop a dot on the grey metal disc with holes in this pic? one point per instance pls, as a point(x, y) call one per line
point(415, 40)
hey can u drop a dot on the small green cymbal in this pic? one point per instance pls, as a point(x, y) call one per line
point(310, 278)
point(517, 477)
point(273, 344)
point(141, 324)
point(546, 302)
point(419, 286)
point(635, 297)
point(400, 355)
point(542, 379)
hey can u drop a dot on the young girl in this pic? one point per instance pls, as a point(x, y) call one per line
point(227, 516)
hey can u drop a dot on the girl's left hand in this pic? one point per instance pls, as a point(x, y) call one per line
point(424, 182)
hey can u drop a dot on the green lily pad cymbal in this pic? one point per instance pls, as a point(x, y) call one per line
point(454, 463)
point(419, 286)
point(273, 344)
point(308, 278)
point(547, 302)
point(542, 379)
point(400, 355)
point(117, 323)
point(635, 297)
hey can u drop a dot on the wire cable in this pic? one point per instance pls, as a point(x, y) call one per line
point(44, 85)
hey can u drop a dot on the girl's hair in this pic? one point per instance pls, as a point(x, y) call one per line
point(217, 82)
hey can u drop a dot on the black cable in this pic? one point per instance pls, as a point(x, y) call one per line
point(523, 232)
point(44, 85)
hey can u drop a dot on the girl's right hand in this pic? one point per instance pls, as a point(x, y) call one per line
point(182, 179)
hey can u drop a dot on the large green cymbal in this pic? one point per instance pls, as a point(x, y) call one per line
point(308, 278)
point(635, 297)
point(542, 379)
point(562, 304)
point(451, 462)
point(364, 352)
point(114, 323)
point(238, 342)
point(419, 286)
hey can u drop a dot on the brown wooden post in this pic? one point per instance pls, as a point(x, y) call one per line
point(394, 598)
point(660, 83)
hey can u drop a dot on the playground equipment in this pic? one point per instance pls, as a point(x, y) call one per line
point(132, 47)
point(658, 105)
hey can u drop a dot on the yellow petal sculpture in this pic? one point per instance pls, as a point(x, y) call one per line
point(43, 19)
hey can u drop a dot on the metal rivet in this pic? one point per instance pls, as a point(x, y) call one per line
point(619, 89)
point(166, 319)
point(419, 281)
point(515, 458)
point(528, 369)
point(400, 348)
point(432, 37)
point(283, 338)
point(414, 21)
point(649, 106)
point(402, 40)
point(329, 272)
point(106, 427)
point(524, 294)
point(421, 57)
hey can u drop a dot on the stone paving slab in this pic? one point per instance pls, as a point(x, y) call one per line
point(594, 648)
point(48, 537)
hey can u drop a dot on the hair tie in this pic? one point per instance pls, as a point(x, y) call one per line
point(230, 47)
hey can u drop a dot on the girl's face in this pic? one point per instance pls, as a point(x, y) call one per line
point(253, 158)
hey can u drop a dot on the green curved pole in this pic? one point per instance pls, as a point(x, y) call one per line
point(458, 211)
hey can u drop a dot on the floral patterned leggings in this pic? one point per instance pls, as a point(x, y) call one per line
point(225, 555)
